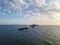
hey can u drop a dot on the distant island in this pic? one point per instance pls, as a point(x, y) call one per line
point(26, 28)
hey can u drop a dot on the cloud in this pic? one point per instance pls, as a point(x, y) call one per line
point(33, 9)
point(34, 6)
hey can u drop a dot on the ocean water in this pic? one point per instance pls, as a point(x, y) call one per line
point(40, 35)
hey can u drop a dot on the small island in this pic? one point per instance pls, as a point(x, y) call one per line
point(33, 25)
point(26, 28)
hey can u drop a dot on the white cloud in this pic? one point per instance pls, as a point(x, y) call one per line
point(34, 6)
point(36, 9)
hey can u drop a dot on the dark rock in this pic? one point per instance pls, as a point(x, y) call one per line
point(25, 28)
point(33, 25)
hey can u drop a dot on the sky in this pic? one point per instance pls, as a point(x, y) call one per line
point(43, 12)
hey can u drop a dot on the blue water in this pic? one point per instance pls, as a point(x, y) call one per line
point(40, 35)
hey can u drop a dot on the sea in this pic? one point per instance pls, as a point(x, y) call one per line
point(39, 35)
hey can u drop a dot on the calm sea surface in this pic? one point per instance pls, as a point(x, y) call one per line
point(40, 35)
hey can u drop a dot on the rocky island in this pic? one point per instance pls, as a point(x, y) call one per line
point(26, 28)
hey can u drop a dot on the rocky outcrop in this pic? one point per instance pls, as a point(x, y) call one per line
point(26, 28)
point(33, 25)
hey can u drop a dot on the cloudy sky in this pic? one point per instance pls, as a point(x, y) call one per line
point(43, 12)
